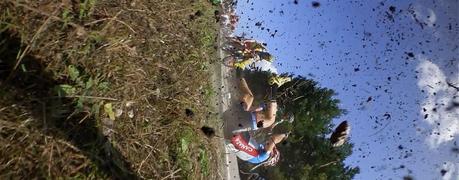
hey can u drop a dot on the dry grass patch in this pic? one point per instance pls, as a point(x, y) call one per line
point(113, 79)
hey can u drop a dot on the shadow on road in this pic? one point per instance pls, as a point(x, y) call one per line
point(235, 117)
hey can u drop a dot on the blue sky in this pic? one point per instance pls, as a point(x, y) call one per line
point(389, 62)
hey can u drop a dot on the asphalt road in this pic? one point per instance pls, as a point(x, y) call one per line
point(228, 108)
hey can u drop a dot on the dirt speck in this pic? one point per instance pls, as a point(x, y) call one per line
point(315, 4)
point(443, 172)
point(189, 112)
point(392, 9)
point(208, 131)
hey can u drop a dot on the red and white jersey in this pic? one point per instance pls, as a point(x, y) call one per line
point(244, 150)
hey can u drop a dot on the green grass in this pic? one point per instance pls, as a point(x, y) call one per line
point(204, 161)
point(66, 17)
point(183, 150)
point(86, 8)
point(82, 86)
point(209, 92)
point(187, 150)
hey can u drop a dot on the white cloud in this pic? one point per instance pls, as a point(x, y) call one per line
point(424, 15)
point(266, 66)
point(431, 18)
point(452, 171)
point(438, 96)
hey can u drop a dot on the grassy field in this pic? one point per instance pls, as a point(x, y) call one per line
point(96, 89)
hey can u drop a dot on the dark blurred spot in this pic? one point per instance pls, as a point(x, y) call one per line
point(260, 124)
point(295, 2)
point(239, 125)
point(400, 147)
point(392, 9)
point(217, 16)
point(452, 106)
point(356, 69)
point(189, 112)
point(208, 131)
point(198, 13)
point(369, 99)
point(391, 18)
point(452, 86)
point(426, 116)
point(315, 4)
point(455, 150)
point(410, 54)
point(387, 115)
point(443, 172)
point(407, 178)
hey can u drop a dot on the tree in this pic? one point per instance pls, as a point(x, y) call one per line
point(307, 153)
